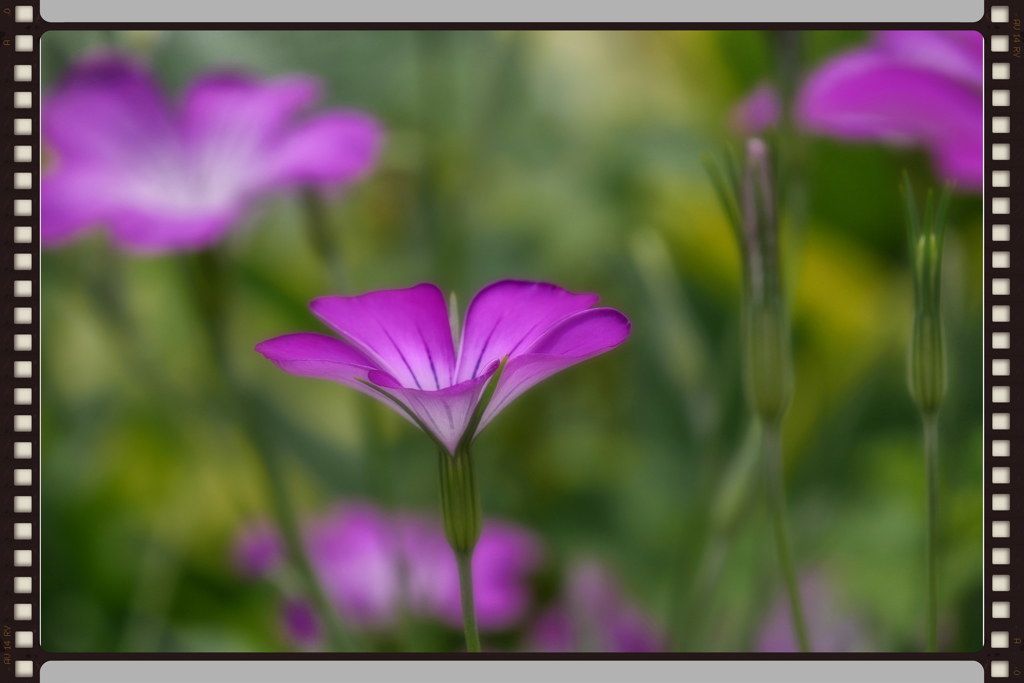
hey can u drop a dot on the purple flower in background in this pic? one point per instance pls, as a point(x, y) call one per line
point(828, 628)
point(908, 88)
point(594, 616)
point(400, 351)
point(504, 557)
point(372, 565)
point(759, 110)
point(171, 178)
point(354, 552)
point(258, 551)
point(301, 624)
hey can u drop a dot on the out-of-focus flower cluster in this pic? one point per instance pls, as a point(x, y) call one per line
point(374, 566)
point(595, 616)
point(830, 628)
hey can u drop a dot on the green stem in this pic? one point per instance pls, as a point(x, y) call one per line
point(465, 562)
point(324, 243)
point(284, 513)
point(771, 450)
point(931, 457)
point(206, 282)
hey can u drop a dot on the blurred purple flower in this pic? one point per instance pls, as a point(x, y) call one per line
point(171, 178)
point(594, 616)
point(827, 627)
point(760, 109)
point(354, 551)
point(504, 556)
point(257, 551)
point(907, 88)
point(400, 342)
point(372, 565)
point(301, 624)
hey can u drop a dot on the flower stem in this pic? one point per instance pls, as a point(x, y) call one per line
point(465, 562)
point(931, 453)
point(206, 281)
point(324, 242)
point(771, 450)
point(460, 513)
point(288, 524)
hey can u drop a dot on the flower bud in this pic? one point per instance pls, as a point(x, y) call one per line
point(767, 356)
point(926, 362)
point(768, 367)
point(460, 500)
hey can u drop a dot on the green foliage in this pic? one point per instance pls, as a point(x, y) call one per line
point(568, 157)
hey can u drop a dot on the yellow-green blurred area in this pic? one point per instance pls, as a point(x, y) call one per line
point(569, 157)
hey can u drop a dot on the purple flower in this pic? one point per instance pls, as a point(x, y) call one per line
point(170, 178)
point(354, 551)
point(372, 565)
point(258, 551)
point(758, 110)
point(828, 628)
point(504, 556)
point(908, 88)
point(301, 624)
point(594, 616)
point(400, 348)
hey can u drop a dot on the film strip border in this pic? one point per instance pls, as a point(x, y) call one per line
point(1005, 45)
point(19, 641)
point(20, 380)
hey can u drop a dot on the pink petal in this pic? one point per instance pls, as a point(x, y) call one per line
point(505, 318)
point(331, 149)
point(959, 55)
point(574, 339)
point(149, 230)
point(866, 95)
point(73, 199)
point(232, 111)
point(445, 412)
point(760, 109)
point(316, 355)
point(354, 551)
point(105, 109)
point(404, 331)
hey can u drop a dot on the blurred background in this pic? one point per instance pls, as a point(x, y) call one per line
point(573, 158)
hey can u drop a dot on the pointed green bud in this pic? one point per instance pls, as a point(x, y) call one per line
point(767, 355)
point(460, 499)
point(926, 362)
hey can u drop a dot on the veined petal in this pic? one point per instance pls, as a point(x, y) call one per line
point(445, 412)
point(404, 331)
point(104, 110)
point(505, 318)
point(330, 149)
point(307, 354)
point(575, 338)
